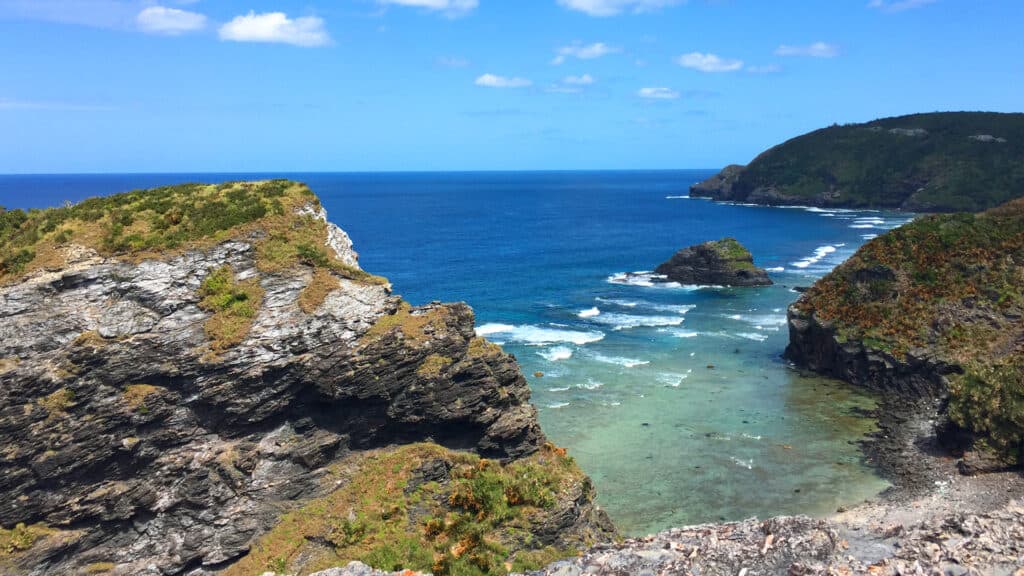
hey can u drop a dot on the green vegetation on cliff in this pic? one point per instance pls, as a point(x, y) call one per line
point(939, 162)
point(951, 286)
point(423, 507)
point(276, 216)
point(730, 250)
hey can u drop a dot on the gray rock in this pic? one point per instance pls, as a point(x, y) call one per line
point(181, 480)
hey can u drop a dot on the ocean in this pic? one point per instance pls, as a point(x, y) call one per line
point(675, 399)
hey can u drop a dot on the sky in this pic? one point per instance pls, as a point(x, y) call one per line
point(92, 86)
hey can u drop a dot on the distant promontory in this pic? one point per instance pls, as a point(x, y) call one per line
point(938, 162)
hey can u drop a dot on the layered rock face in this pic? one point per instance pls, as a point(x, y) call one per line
point(133, 443)
point(719, 263)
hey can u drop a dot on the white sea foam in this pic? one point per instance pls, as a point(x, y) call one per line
point(749, 437)
point(565, 389)
point(677, 308)
point(628, 321)
point(625, 362)
point(869, 236)
point(684, 333)
point(538, 335)
point(870, 220)
point(752, 336)
point(558, 405)
point(589, 312)
point(819, 253)
point(673, 380)
point(643, 279)
point(777, 269)
point(618, 302)
point(555, 354)
point(590, 385)
point(677, 197)
point(748, 464)
point(862, 226)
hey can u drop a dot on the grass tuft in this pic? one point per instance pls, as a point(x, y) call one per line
point(475, 522)
point(233, 303)
point(315, 293)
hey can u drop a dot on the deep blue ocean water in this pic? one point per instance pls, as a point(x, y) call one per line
point(673, 398)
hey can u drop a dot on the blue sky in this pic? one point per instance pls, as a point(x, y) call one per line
point(367, 85)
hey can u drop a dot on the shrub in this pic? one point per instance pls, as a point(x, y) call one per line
point(989, 400)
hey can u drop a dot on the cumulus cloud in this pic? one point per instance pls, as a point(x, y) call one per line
point(571, 84)
point(583, 51)
point(898, 5)
point(448, 7)
point(613, 7)
point(709, 62)
point(495, 81)
point(276, 27)
point(170, 21)
point(658, 93)
point(816, 50)
point(584, 80)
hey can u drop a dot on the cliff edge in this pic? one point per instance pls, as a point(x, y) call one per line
point(181, 366)
point(931, 310)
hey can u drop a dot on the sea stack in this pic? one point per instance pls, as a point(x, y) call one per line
point(722, 262)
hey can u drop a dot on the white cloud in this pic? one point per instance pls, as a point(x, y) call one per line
point(276, 27)
point(658, 93)
point(495, 81)
point(613, 7)
point(583, 51)
point(449, 7)
point(816, 50)
point(898, 5)
point(170, 21)
point(709, 62)
point(766, 69)
point(584, 80)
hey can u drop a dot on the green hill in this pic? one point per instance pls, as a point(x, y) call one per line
point(941, 296)
point(939, 162)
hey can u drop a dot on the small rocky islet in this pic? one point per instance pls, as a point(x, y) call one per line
point(201, 380)
point(723, 262)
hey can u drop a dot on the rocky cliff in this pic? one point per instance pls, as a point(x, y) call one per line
point(938, 162)
point(930, 310)
point(179, 367)
point(722, 262)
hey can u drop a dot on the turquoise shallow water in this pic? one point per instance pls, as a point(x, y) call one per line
point(627, 386)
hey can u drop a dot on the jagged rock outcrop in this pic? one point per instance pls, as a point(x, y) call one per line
point(157, 422)
point(718, 263)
